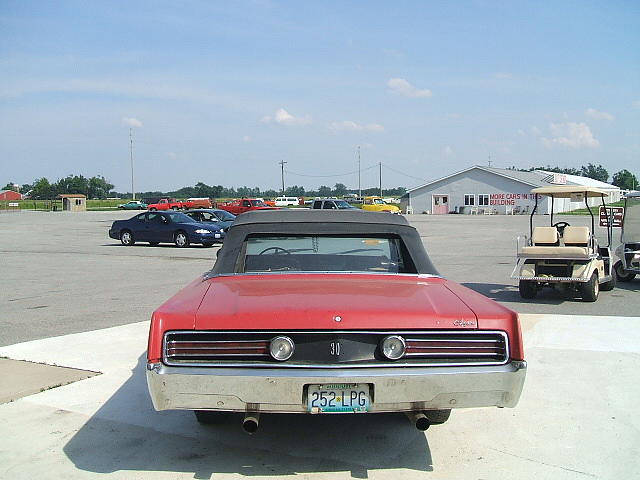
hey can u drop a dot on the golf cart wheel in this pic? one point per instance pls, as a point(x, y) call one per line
point(621, 274)
point(589, 290)
point(610, 285)
point(528, 288)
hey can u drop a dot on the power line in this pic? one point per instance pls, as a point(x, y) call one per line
point(402, 173)
point(328, 176)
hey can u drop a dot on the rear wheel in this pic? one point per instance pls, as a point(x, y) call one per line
point(175, 208)
point(152, 209)
point(621, 274)
point(181, 240)
point(126, 238)
point(207, 417)
point(528, 288)
point(589, 290)
point(437, 417)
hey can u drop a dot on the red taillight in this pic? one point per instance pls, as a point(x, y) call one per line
point(176, 348)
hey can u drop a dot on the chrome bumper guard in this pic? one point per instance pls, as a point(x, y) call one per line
point(284, 390)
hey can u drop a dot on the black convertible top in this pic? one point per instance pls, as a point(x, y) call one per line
point(317, 222)
point(299, 215)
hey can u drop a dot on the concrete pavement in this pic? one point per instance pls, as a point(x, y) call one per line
point(577, 419)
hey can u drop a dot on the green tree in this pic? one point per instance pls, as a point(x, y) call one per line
point(295, 191)
point(339, 189)
point(625, 180)
point(98, 187)
point(73, 184)
point(42, 189)
point(324, 191)
point(595, 172)
point(11, 186)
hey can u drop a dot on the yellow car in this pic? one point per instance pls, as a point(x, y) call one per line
point(376, 204)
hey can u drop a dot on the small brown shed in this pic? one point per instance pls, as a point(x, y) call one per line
point(73, 202)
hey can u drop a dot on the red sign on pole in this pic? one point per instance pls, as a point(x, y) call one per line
point(616, 213)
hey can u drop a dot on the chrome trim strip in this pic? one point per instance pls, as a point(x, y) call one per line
point(208, 275)
point(288, 365)
point(551, 279)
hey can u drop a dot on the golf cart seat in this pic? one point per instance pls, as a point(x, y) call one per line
point(546, 243)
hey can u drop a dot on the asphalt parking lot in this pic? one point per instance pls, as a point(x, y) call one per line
point(70, 296)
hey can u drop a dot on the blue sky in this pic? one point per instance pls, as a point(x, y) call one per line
point(220, 92)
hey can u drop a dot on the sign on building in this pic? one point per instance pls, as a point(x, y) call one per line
point(616, 213)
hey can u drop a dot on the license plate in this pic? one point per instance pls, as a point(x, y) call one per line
point(338, 398)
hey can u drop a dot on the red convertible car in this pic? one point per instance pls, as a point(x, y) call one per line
point(322, 313)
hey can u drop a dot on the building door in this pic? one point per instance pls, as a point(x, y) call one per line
point(440, 204)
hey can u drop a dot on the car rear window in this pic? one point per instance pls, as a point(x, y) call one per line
point(325, 253)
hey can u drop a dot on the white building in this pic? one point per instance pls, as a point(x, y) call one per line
point(481, 189)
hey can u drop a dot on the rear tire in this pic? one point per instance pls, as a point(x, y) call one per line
point(126, 238)
point(181, 239)
point(589, 290)
point(528, 288)
point(437, 417)
point(175, 209)
point(206, 417)
point(622, 276)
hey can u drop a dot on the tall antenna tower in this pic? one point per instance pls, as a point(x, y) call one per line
point(133, 192)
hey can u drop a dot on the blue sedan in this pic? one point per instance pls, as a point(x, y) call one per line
point(222, 218)
point(165, 227)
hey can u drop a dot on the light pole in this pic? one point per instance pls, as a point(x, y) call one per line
point(282, 164)
point(359, 185)
point(133, 192)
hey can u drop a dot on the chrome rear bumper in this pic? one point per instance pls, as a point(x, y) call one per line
point(284, 390)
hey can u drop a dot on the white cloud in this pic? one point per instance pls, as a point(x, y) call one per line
point(132, 122)
point(572, 135)
point(283, 117)
point(593, 113)
point(447, 151)
point(400, 86)
point(535, 131)
point(636, 104)
point(246, 138)
point(502, 75)
point(172, 155)
point(522, 133)
point(348, 125)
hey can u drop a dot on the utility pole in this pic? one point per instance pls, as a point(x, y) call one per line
point(489, 160)
point(282, 164)
point(359, 184)
point(133, 192)
point(380, 173)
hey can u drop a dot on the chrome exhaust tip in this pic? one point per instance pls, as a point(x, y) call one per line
point(251, 422)
point(419, 419)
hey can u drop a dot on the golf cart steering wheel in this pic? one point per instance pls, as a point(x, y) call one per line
point(276, 251)
point(561, 226)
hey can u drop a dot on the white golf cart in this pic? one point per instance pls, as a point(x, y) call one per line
point(562, 256)
point(629, 251)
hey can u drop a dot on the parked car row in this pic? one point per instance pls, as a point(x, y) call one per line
point(202, 226)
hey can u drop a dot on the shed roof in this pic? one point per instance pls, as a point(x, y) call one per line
point(72, 195)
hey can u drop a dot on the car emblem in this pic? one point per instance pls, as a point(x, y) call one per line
point(463, 323)
point(334, 348)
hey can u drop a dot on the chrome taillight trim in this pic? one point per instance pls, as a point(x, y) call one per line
point(395, 364)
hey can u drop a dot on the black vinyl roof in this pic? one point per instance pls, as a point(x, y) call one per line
point(299, 215)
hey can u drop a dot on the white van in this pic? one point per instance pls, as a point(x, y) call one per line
point(286, 201)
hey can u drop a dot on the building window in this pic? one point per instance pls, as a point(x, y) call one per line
point(78, 201)
point(469, 200)
point(483, 199)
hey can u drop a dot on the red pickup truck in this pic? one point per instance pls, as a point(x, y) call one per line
point(242, 205)
point(173, 204)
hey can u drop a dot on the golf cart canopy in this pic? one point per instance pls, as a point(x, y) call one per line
point(565, 191)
